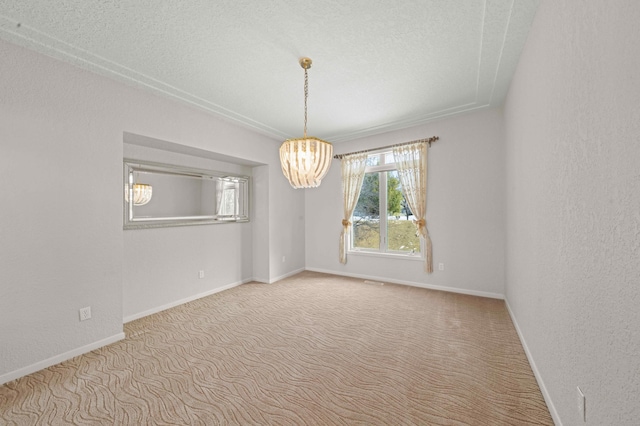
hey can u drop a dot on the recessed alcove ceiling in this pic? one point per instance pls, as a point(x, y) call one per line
point(378, 65)
point(149, 142)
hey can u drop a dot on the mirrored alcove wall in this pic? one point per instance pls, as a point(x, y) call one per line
point(172, 192)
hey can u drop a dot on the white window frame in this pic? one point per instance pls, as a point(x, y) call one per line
point(386, 164)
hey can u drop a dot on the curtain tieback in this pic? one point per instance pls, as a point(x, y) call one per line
point(346, 223)
point(420, 223)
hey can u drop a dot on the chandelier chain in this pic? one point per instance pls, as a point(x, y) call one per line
point(305, 161)
point(306, 94)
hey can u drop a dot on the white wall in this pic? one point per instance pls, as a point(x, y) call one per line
point(161, 265)
point(465, 209)
point(61, 150)
point(573, 206)
point(260, 218)
point(287, 241)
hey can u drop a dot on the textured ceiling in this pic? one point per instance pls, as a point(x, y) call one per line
point(378, 65)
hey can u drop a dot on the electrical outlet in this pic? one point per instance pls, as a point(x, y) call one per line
point(283, 259)
point(581, 405)
point(201, 274)
point(441, 266)
point(85, 313)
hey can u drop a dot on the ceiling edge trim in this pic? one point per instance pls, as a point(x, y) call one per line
point(515, 38)
point(480, 46)
point(500, 62)
point(405, 124)
point(42, 43)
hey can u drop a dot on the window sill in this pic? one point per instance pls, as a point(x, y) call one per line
point(418, 257)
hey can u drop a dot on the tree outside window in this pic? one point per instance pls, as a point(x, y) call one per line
point(392, 231)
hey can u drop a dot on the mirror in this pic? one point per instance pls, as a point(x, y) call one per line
point(168, 195)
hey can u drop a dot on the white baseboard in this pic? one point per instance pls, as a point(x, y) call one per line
point(182, 301)
point(5, 378)
point(536, 372)
point(413, 284)
point(288, 274)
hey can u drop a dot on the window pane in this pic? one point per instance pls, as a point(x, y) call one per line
point(373, 160)
point(228, 206)
point(366, 216)
point(388, 158)
point(401, 232)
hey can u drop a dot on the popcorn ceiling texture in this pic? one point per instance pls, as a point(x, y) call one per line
point(376, 67)
point(573, 206)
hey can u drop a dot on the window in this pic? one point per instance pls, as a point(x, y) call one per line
point(392, 231)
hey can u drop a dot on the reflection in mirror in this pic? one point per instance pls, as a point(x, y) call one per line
point(167, 195)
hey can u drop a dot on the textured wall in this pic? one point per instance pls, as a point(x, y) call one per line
point(573, 206)
point(465, 209)
point(61, 150)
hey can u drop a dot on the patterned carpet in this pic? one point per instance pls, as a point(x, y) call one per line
point(313, 349)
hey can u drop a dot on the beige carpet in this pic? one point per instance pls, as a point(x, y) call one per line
point(313, 349)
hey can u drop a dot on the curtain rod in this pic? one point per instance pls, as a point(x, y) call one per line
point(428, 140)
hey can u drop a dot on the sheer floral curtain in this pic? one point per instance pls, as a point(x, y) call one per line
point(353, 166)
point(411, 162)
